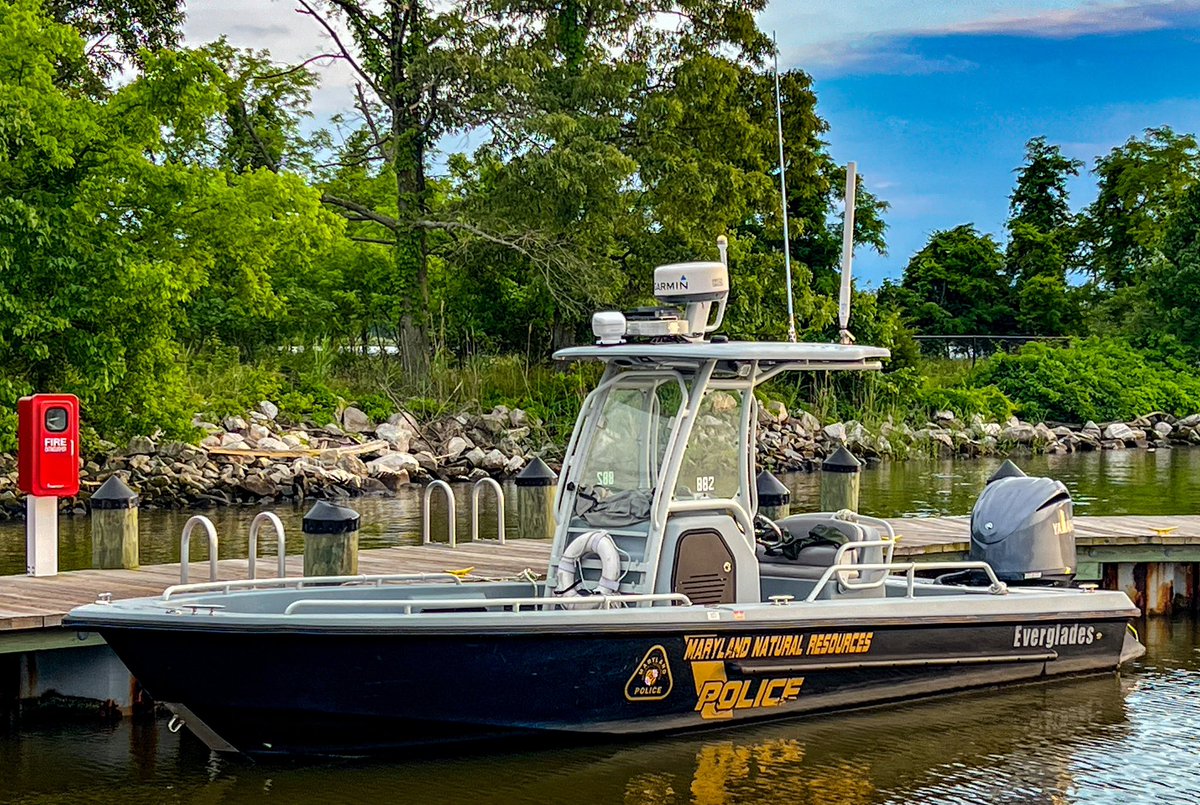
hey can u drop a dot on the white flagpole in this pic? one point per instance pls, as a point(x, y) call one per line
point(847, 254)
point(787, 242)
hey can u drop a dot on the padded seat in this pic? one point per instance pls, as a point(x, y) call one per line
point(812, 561)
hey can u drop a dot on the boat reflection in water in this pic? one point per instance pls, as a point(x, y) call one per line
point(1038, 743)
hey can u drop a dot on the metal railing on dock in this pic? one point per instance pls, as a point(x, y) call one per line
point(210, 531)
point(475, 490)
point(260, 519)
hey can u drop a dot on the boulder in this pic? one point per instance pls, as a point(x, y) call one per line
point(352, 464)
point(234, 423)
point(271, 443)
point(835, 432)
point(393, 463)
point(494, 422)
point(1162, 429)
point(256, 433)
point(258, 486)
point(268, 409)
point(425, 460)
point(1120, 431)
point(141, 446)
point(354, 420)
point(1190, 421)
point(456, 446)
point(494, 460)
point(398, 437)
point(233, 441)
point(475, 456)
point(518, 418)
point(1092, 429)
point(809, 422)
point(776, 410)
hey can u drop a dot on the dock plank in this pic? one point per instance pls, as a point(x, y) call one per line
point(38, 603)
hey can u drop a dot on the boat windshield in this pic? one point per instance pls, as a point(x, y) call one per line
point(712, 463)
point(631, 435)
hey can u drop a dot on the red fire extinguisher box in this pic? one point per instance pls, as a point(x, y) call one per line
point(48, 445)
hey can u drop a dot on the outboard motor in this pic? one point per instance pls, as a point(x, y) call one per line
point(1022, 527)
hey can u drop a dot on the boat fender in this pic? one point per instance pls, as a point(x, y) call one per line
point(591, 543)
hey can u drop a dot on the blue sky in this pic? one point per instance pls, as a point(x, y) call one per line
point(934, 99)
point(937, 118)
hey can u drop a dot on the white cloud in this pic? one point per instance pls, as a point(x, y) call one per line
point(862, 36)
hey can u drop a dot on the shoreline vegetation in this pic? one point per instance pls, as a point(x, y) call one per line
point(179, 234)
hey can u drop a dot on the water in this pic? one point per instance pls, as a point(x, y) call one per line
point(1112, 739)
point(1112, 482)
point(1127, 739)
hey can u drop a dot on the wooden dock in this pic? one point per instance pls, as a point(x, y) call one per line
point(1154, 559)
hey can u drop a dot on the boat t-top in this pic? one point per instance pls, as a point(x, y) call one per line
point(670, 602)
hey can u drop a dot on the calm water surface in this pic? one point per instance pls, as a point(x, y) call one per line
point(1114, 482)
point(1127, 739)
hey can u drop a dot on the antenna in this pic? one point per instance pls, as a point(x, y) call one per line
point(787, 241)
point(847, 255)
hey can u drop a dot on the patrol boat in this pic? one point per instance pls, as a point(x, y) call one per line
point(669, 604)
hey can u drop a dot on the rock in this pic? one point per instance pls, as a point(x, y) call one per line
point(141, 446)
point(494, 460)
point(233, 441)
point(398, 437)
point(1020, 433)
point(1190, 421)
point(351, 464)
point(835, 432)
point(456, 446)
point(494, 423)
point(234, 423)
point(271, 443)
point(776, 410)
point(514, 465)
point(354, 420)
point(518, 418)
point(425, 460)
point(258, 486)
point(1043, 435)
point(268, 409)
point(393, 463)
point(1091, 428)
point(809, 422)
point(209, 442)
point(375, 486)
point(256, 433)
point(1120, 431)
point(1163, 429)
point(475, 456)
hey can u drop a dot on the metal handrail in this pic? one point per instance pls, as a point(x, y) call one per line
point(252, 554)
point(426, 537)
point(708, 504)
point(909, 569)
point(211, 532)
point(460, 603)
point(495, 486)
point(203, 588)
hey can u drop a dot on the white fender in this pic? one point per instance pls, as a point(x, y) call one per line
point(593, 543)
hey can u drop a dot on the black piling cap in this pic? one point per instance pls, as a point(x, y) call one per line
point(771, 491)
point(841, 460)
point(114, 494)
point(1007, 470)
point(326, 518)
point(537, 473)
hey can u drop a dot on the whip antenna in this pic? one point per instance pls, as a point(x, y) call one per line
point(847, 255)
point(787, 242)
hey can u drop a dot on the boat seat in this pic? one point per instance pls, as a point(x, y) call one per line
point(812, 561)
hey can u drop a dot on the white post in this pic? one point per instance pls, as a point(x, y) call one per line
point(847, 254)
point(41, 536)
point(787, 241)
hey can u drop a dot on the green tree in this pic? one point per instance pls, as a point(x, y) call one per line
point(1173, 284)
point(1141, 182)
point(1040, 199)
point(957, 285)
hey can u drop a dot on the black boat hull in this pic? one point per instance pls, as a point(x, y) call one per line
point(327, 692)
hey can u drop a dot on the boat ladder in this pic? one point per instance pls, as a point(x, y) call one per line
point(451, 526)
point(210, 531)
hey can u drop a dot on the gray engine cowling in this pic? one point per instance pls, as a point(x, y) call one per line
point(1023, 528)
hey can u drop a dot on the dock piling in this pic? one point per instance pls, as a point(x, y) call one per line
point(535, 500)
point(841, 475)
point(774, 499)
point(330, 540)
point(114, 525)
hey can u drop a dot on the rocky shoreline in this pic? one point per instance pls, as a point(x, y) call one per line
point(257, 459)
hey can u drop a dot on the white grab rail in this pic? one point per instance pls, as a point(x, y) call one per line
point(426, 537)
point(255, 526)
point(211, 532)
point(473, 603)
point(997, 587)
point(300, 582)
point(475, 490)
